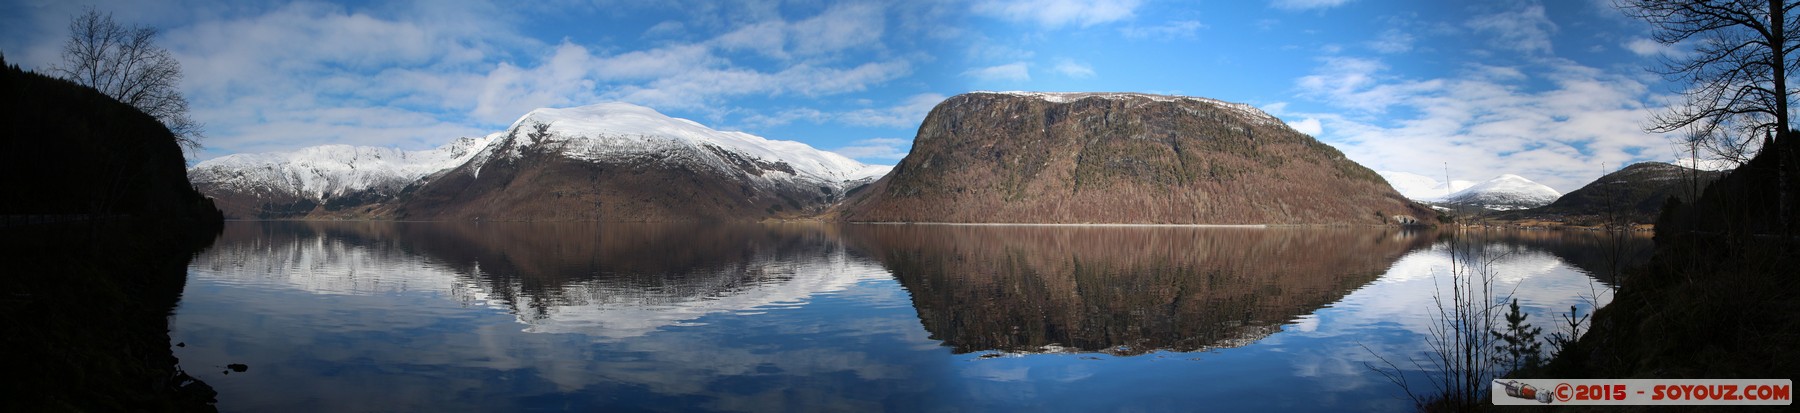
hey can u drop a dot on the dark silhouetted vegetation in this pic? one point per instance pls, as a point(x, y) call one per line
point(126, 64)
point(75, 153)
point(1634, 194)
point(1718, 297)
point(97, 226)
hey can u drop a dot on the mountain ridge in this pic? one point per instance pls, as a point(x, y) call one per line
point(373, 182)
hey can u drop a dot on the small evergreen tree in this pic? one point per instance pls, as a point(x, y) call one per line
point(1519, 345)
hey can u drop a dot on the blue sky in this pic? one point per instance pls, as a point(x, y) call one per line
point(1554, 91)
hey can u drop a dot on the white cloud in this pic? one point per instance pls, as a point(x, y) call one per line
point(1058, 13)
point(787, 116)
point(1306, 4)
point(907, 114)
point(879, 149)
point(1355, 83)
point(1073, 69)
point(1525, 30)
point(1012, 72)
point(1649, 48)
point(1180, 29)
point(1309, 126)
point(841, 27)
point(1485, 120)
point(1392, 41)
point(263, 76)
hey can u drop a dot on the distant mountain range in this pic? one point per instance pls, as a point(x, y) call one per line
point(608, 162)
point(1502, 193)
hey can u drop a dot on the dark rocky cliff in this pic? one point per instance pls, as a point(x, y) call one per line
point(97, 225)
point(1121, 158)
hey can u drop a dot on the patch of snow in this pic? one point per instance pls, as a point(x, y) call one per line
point(622, 131)
point(1248, 112)
point(1706, 164)
point(1506, 192)
point(325, 171)
point(602, 132)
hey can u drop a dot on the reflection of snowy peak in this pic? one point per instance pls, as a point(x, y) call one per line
point(616, 311)
point(1505, 192)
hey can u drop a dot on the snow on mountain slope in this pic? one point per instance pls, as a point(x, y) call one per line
point(1422, 188)
point(325, 171)
point(622, 132)
point(1505, 192)
point(618, 135)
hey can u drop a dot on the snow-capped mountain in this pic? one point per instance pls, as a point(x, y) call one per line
point(322, 172)
point(1422, 188)
point(622, 132)
point(623, 162)
point(617, 144)
point(1504, 192)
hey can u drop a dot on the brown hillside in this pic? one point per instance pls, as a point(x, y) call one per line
point(1121, 158)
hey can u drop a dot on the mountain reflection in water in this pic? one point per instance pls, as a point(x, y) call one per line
point(1124, 291)
point(610, 281)
point(399, 316)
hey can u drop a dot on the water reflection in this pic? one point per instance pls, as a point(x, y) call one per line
point(611, 281)
point(1124, 290)
point(448, 316)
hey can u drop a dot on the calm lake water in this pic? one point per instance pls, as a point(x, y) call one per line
point(525, 317)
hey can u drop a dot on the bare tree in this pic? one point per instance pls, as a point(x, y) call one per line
point(126, 64)
point(1737, 72)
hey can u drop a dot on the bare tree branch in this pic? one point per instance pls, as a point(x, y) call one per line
point(1737, 72)
point(126, 64)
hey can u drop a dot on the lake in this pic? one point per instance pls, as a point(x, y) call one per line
point(398, 316)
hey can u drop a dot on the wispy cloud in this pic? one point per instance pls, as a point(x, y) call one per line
point(1012, 72)
point(907, 114)
point(1306, 4)
point(1309, 126)
point(1526, 29)
point(1073, 69)
point(1180, 29)
point(1650, 48)
point(877, 149)
point(1059, 13)
point(277, 77)
point(1485, 120)
point(1392, 41)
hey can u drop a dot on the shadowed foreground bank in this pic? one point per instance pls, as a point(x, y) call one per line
point(86, 315)
point(97, 225)
point(1718, 298)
